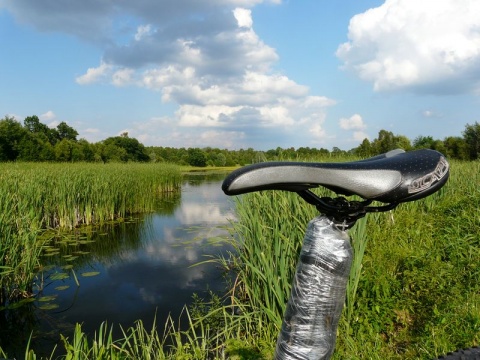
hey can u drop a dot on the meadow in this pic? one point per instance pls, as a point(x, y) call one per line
point(414, 289)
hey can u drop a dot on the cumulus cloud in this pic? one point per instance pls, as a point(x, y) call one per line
point(122, 77)
point(356, 123)
point(427, 46)
point(94, 74)
point(48, 116)
point(244, 17)
point(318, 131)
point(353, 122)
point(360, 136)
point(204, 56)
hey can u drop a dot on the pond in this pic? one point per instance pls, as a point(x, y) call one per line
point(140, 269)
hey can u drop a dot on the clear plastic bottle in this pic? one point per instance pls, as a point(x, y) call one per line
point(318, 293)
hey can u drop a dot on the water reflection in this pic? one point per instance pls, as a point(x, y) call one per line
point(144, 267)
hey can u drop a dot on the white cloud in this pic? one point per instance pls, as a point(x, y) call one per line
point(16, 117)
point(48, 116)
point(428, 113)
point(424, 46)
point(318, 132)
point(273, 85)
point(203, 56)
point(123, 77)
point(220, 139)
point(53, 123)
point(94, 74)
point(243, 17)
point(360, 135)
point(353, 122)
point(194, 213)
point(91, 131)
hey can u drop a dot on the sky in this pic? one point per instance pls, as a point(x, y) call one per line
point(243, 73)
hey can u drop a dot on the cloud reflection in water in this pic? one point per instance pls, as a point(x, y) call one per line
point(157, 275)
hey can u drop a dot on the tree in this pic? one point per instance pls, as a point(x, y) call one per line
point(336, 151)
point(87, 150)
point(402, 142)
point(33, 125)
point(11, 136)
point(364, 149)
point(196, 157)
point(455, 147)
point(114, 153)
point(66, 132)
point(133, 149)
point(31, 147)
point(63, 150)
point(217, 159)
point(387, 141)
point(471, 135)
point(47, 152)
point(423, 142)
point(384, 142)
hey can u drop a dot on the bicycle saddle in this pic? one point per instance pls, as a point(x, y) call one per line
point(394, 177)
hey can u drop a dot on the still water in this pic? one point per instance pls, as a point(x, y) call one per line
point(135, 270)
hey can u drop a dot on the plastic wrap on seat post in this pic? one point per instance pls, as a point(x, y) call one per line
point(318, 293)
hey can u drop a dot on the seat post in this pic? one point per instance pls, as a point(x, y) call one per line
point(316, 301)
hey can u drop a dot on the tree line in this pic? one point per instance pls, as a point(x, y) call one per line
point(35, 141)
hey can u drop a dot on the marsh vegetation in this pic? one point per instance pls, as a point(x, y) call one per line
point(35, 197)
point(415, 294)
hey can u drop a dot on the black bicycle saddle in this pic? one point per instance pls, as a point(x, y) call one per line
point(394, 177)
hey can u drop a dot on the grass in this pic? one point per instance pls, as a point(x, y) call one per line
point(419, 292)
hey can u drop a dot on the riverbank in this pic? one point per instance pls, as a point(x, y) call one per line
point(417, 292)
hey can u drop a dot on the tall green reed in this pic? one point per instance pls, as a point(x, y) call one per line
point(19, 249)
point(136, 342)
point(403, 248)
point(68, 195)
point(36, 196)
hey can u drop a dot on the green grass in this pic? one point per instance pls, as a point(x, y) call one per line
point(419, 294)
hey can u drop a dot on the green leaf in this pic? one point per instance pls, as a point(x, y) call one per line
point(90, 273)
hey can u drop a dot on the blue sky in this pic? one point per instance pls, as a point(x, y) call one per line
point(243, 73)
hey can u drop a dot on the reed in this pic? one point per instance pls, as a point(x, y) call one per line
point(136, 342)
point(35, 197)
point(414, 295)
point(68, 195)
point(414, 287)
point(19, 249)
